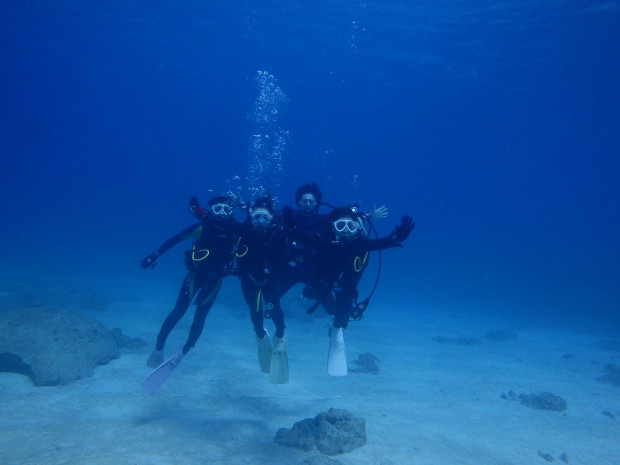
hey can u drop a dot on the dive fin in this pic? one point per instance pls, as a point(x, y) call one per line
point(337, 358)
point(264, 352)
point(278, 370)
point(158, 377)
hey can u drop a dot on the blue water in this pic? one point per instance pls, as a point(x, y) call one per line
point(495, 125)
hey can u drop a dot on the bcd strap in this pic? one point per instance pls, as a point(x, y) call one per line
point(245, 250)
point(204, 253)
point(359, 263)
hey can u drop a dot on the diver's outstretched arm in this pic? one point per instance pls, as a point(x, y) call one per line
point(151, 260)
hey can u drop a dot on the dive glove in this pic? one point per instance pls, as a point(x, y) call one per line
point(402, 231)
point(149, 261)
point(195, 208)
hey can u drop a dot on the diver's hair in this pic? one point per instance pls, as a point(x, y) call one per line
point(311, 188)
point(220, 199)
point(264, 201)
point(340, 212)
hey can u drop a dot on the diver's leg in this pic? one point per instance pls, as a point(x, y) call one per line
point(343, 301)
point(252, 295)
point(272, 300)
point(278, 363)
point(207, 296)
point(183, 300)
point(329, 303)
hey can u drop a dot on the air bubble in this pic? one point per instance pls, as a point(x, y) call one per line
point(269, 143)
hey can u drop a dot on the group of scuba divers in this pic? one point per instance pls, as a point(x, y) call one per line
point(273, 250)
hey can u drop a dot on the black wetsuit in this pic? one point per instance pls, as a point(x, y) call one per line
point(339, 269)
point(209, 262)
point(339, 266)
point(253, 257)
point(301, 257)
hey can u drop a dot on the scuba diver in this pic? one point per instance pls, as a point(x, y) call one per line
point(302, 255)
point(342, 253)
point(208, 262)
point(259, 235)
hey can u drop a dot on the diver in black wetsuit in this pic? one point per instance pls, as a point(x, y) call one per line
point(300, 260)
point(302, 254)
point(259, 233)
point(208, 262)
point(342, 253)
point(260, 241)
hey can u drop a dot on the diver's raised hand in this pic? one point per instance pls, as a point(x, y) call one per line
point(402, 231)
point(235, 199)
point(195, 208)
point(378, 213)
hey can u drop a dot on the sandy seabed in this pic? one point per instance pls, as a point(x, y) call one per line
point(431, 403)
